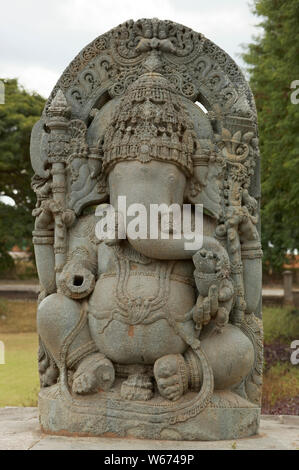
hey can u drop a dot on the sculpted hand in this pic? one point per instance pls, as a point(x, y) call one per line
point(244, 219)
point(44, 215)
point(76, 281)
point(247, 227)
point(205, 308)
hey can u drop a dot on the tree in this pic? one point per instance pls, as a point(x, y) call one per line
point(17, 117)
point(273, 64)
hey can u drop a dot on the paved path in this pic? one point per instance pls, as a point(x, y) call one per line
point(19, 288)
point(19, 429)
point(272, 292)
point(19, 291)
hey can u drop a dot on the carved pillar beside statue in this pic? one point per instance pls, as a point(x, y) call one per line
point(139, 336)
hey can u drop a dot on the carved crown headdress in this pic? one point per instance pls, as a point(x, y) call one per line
point(150, 123)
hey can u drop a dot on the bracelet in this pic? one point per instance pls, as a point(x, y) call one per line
point(43, 237)
point(251, 252)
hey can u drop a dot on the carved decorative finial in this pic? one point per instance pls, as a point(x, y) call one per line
point(59, 105)
point(165, 45)
point(153, 62)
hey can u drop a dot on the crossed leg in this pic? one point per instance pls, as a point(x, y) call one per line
point(57, 316)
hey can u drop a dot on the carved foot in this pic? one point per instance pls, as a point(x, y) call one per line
point(171, 376)
point(93, 373)
point(48, 375)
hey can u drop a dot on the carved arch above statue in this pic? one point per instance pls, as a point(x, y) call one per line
point(198, 68)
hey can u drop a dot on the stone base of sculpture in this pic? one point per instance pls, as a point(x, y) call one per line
point(228, 416)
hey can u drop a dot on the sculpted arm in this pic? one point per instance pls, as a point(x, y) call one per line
point(43, 239)
point(77, 279)
point(251, 254)
point(250, 246)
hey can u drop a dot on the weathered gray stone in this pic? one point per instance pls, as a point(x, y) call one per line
point(146, 336)
point(20, 430)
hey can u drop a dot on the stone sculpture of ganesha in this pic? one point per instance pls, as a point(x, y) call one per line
point(135, 332)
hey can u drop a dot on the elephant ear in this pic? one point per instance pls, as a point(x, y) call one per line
point(204, 186)
point(87, 183)
point(38, 150)
point(210, 199)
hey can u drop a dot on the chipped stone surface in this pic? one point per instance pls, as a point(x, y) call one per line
point(20, 430)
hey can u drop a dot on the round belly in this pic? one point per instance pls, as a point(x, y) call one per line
point(131, 320)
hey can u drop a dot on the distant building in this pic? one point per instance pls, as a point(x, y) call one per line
point(293, 265)
point(17, 253)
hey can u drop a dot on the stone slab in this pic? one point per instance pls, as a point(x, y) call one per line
point(227, 416)
point(20, 430)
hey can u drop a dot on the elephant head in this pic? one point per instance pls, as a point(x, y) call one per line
point(157, 148)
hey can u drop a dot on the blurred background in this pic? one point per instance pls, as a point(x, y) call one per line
point(38, 40)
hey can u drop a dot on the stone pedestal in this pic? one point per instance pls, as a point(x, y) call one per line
point(20, 430)
point(228, 416)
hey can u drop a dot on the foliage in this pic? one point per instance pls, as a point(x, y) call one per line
point(25, 269)
point(280, 382)
point(17, 316)
point(273, 64)
point(280, 324)
point(17, 117)
point(3, 309)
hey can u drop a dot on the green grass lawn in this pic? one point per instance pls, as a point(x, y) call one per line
point(281, 381)
point(17, 316)
point(19, 382)
point(280, 323)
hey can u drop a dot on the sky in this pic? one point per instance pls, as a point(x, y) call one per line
point(38, 38)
